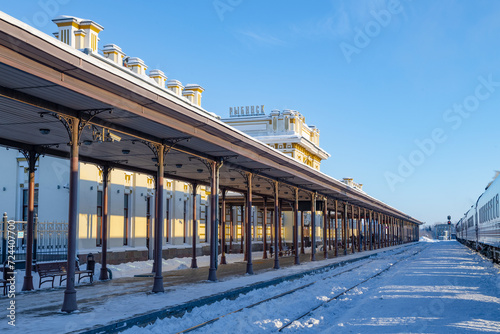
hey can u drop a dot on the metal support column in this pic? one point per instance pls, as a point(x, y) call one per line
point(370, 228)
point(276, 222)
point(249, 224)
point(313, 226)
point(247, 236)
point(359, 229)
point(302, 249)
point(280, 228)
point(330, 238)
point(69, 303)
point(158, 278)
point(296, 226)
point(242, 228)
point(264, 229)
point(325, 230)
point(31, 157)
point(231, 228)
point(214, 204)
point(103, 275)
point(336, 229)
point(344, 229)
point(194, 262)
point(365, 231)
point(353, 246)
point(223, 229)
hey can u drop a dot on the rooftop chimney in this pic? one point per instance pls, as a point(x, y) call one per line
point(175, 86)
point(159, 77)
point(193, 93)
point(137, 65)
point(78, 33)
point(114, 53)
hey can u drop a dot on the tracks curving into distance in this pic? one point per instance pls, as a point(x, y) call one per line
point(344, 292)
point(268, 299)
point(201, 325)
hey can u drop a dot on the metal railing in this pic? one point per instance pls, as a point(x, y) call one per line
point(50, 240)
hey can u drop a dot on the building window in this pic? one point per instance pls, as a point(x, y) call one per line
point(167, 216)
point(99, 219)
point(25, 204)
point(125, 219)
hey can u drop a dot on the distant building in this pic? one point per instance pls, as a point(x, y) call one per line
point(444, 231)
point(350, 182)
point(285, 130)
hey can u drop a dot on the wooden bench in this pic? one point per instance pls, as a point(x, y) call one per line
point(48, 271)
point(284, 252)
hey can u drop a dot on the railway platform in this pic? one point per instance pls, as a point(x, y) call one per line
point(120, 303)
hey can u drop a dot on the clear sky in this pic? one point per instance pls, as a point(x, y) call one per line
point(406, 93)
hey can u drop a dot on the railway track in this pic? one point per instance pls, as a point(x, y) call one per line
point(342, 293)
point(302, 287)
point(266, 300)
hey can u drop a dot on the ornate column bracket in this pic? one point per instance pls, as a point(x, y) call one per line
point(218, 161)
point(31, 157)
point(246, 174)
point(85, 117)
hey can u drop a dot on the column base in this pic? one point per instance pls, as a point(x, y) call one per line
point(103, 275)
point(28, 283)
point(212, 274)
point(249, 269)
point(158, 284)
point(194, 264)
point(69, 303)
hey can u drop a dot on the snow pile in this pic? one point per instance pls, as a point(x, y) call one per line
point(425, 239)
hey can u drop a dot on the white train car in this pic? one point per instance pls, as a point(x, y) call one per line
point(480, 226)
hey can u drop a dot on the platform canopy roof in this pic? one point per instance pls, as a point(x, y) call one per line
point(41, 78)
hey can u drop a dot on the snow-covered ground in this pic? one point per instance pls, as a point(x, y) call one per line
point(130, 269)
point(445, 288)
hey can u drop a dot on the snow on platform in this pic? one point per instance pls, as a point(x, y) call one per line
point(446, 288)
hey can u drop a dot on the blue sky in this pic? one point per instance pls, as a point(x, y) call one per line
point(406, 94)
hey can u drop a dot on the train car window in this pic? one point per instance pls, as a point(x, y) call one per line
point(497, 207)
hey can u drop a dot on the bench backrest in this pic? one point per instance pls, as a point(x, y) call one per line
point(54, 267)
